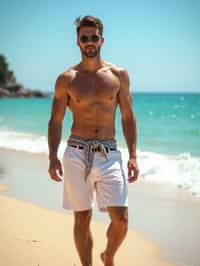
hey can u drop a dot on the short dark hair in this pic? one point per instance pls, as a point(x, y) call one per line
point(89, 21)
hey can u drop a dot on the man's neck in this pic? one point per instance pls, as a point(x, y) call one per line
point(91, 64)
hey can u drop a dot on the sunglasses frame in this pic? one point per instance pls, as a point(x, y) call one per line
point(93, 38)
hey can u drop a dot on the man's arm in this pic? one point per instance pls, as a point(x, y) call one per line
point(127, 115)
point(60, 103)
point(128, 123)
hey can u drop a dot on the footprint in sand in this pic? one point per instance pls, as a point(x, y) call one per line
point(35, 241)
point(28, 240)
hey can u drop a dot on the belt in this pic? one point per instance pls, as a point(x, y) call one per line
point(90, 146)
point(93, 149)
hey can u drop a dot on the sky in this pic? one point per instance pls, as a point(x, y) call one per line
point(158, 42)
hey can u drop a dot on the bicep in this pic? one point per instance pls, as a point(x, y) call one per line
point(124, 96)
point(60, 100)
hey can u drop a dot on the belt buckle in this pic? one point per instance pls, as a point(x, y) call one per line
point(95, 146)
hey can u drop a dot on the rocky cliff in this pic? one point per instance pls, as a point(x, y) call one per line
point(9, 87)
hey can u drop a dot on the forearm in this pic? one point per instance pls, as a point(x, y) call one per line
point(54, 137)
point(130, 133)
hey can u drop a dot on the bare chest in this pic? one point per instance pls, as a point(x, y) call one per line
point(94, 88)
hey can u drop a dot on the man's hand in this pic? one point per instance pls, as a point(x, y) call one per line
point(133, 170)
point(54, 166)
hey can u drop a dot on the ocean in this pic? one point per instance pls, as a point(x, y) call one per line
point(168, 134)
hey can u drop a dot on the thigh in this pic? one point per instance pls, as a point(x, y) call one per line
point(77, 193)
point(112, 186)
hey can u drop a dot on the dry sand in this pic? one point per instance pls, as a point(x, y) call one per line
point(35, 236)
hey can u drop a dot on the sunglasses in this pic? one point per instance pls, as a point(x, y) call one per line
point(93, 38)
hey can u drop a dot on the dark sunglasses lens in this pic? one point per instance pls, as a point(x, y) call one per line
point(95, 38)
point(84, 39)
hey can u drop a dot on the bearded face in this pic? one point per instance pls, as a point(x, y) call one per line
point(90, 41)
point(90, 51)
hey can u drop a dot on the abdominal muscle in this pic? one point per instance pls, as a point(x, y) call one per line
point(94, 123)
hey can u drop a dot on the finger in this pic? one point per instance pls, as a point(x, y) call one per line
point(136, 172)
point(60, 170)
point(132, 179)
point(129, 171)
point(56, 178)
point(135, 169)
point(51, 172)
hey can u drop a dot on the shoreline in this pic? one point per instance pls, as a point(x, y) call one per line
point(162, 214)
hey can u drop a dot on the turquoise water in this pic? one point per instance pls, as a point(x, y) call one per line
point(168, 127)
point(167, 123)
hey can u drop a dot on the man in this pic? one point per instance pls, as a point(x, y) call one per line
point(92, 162)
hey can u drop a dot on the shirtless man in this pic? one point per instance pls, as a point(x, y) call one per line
point(92, 90)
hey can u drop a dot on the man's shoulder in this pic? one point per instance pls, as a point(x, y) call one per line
point(68, 74)
point(65, 78)
point(120, 72)
point(116, 69)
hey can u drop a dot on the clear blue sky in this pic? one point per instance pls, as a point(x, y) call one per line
point(158, 42)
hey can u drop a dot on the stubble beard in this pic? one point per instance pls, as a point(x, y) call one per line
point(91, 53)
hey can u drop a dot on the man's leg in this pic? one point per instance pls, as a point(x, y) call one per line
point(116, 233)
point(83, 237)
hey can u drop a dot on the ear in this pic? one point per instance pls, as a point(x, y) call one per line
point(102, 40)
point(77, 41)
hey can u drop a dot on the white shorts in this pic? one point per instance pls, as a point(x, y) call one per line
point(107, 179)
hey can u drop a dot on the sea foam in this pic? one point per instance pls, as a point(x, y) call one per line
point(183, 170)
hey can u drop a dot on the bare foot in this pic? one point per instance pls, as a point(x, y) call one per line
point(106, 261)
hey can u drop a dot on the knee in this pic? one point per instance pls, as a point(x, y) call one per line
point(82, 220)
point(121, 223)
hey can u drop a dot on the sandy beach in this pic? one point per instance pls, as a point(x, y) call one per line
point(34, 231)
point(35, 236)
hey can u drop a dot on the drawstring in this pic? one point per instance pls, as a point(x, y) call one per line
point(89, 145)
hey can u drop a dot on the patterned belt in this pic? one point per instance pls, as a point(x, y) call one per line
point(90, 146)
